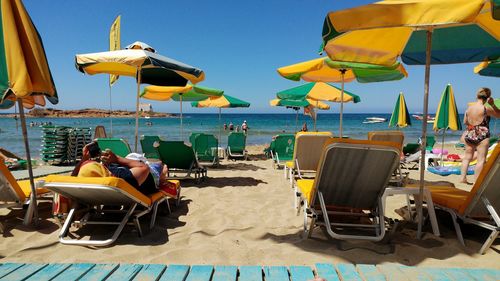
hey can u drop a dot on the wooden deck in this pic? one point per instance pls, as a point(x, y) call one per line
point(330, 272)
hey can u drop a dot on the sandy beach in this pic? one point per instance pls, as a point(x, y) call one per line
point(243, 214)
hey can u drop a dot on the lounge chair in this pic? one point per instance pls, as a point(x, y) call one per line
point(351, 179)
point(236, 142)
point(147, 146)
point(14, 194)
point(180, 158)
point(282, 150)
point(118, 146)
point(100, 132)
point(206, 147)
point(391, 136)
point(97, 194)
point(480, 206)
point(412, 148)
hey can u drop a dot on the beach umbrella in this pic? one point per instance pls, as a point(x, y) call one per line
point(488, 68)
point(25, 76)
point(400, 116)
point(180, 94)
point(308, 104)
point(421, 32)
point(447, 115)
point(321, 91)
point(224, 101)
point(147, 67)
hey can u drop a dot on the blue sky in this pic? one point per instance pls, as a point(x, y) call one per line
point(239, 45)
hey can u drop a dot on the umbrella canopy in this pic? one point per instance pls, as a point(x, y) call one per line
point(420, 32)
point(488, 68)
point(224, 101)
point(24, 74)
point(146, 66)
point(447, 112)
point(400, 116)
point(307, 103)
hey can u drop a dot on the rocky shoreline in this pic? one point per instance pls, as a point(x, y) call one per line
point(85, 113)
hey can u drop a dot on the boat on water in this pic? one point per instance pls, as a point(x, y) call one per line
point(147, 117)
point(373, 120)
point(430, 119)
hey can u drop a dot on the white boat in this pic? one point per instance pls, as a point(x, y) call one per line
point(147, 117)
point(373, 120)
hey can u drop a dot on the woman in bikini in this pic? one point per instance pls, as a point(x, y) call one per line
point(477, 131)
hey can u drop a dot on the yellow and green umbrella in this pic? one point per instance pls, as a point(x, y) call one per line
point(185, 93)
point(224, 101)
point(320, 91)
point(25, 76)
point(297, 103)
point(488, 68)
point(400, 116)
point(145, 66)
point(421, 32)
point(447, 114)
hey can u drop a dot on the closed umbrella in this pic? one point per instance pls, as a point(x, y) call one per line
point(421, 32)
point(180, 94)
point(297, 103)
point(224, 101)
point(25, 76)
point(488, 68)
point(146, 66)
point(447, 114)
point(400, 116)
point(321, 91)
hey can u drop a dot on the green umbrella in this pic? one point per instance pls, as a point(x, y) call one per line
point(447, 114)
point(488, 68)
point(296, 104)
point(400, 116)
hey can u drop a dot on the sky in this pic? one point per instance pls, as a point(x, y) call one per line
point(238, 44)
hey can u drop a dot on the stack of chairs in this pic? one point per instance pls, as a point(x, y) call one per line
point(77, 139)
point(54, 149)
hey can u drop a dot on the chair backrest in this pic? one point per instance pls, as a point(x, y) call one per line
point(118, 146)
point(237, 141)
point(487, 186)
point(10, 191)
point(354, 173)
point(100, 132)
point(391, 136)
point(192, 139)
point(430, 141)
point(147, 145)
point(308, 149)
point(204, 144)
point(283, 145)
point(176, 154)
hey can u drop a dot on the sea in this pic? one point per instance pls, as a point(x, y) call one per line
point(261, 127)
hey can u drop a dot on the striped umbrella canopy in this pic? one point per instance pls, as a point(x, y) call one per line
point(25, 76)
point(185, 93)
point(307, 103)
point(320, 91)
point(447, 114)
point(224, 101)
point(146, 66)
point(488, 68)
point(421, 32)
point(400, 116)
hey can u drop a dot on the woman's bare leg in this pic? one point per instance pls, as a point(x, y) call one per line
point(482, 151)
point(469, 152)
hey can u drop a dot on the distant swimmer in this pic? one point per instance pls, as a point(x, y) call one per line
point(237, 128)
point(231, 126)
point(244, 126)
point(304, 127)
point(225, 126)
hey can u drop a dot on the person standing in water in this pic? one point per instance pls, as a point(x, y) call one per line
point(231, 126)
point(244, 127)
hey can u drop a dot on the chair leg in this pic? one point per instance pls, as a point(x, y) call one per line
point(431, 212)
point(489, 241)
point(457, 228)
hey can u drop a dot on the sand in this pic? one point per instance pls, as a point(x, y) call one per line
point(243, 214)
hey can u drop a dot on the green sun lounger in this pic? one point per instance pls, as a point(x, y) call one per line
point(147, 145)
point(236, 142)
point(205, 147)
point(282, 150)
point(118, 146)
point(180, 158)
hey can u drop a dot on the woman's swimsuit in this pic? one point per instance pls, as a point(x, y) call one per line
point(474, 134)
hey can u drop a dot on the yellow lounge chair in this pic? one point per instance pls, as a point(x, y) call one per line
point(15, 193)
point(98, 193)
point(352, 176)
point(480, 206)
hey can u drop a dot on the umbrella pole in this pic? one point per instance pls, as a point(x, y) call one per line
point(296, 120)
point(181, 120)
point(220, 133)
point(137, 108)
point(32, 211)
point(110, 110)
point(316, 116)
point(342, 71)
point(17, 126)
point(424, 130)
point(442, 147)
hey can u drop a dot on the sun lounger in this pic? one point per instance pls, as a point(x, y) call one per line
point(413, 161)
point(13, 194)
point(282, 150)
point(206, 147)
point(351, 179)
point(180, 158)
point(412, 148)
point(147, 146)
point(118, 146)
point(480, 206)
point(100, 132)
point(97, 194)
point(236, 142)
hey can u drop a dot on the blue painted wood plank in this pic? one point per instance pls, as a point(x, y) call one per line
point(326, 271)
point(484, 274)
point(458, 274)
point(437, 274)
point(225, 273)
point(125, 272)
point(393, 272)
point(175, 272)
point(348, 272)
point(414, 273)
point(49, 272)
point(150, 272)
point(276, 273)
point(250, 273)
point(74, 272)
point(99, 272)
point(23, 272)
point(301, 273)
point(200, 273)
point(370, 272)
point(7, 268)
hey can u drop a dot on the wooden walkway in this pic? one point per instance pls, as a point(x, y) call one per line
point(330, 272)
